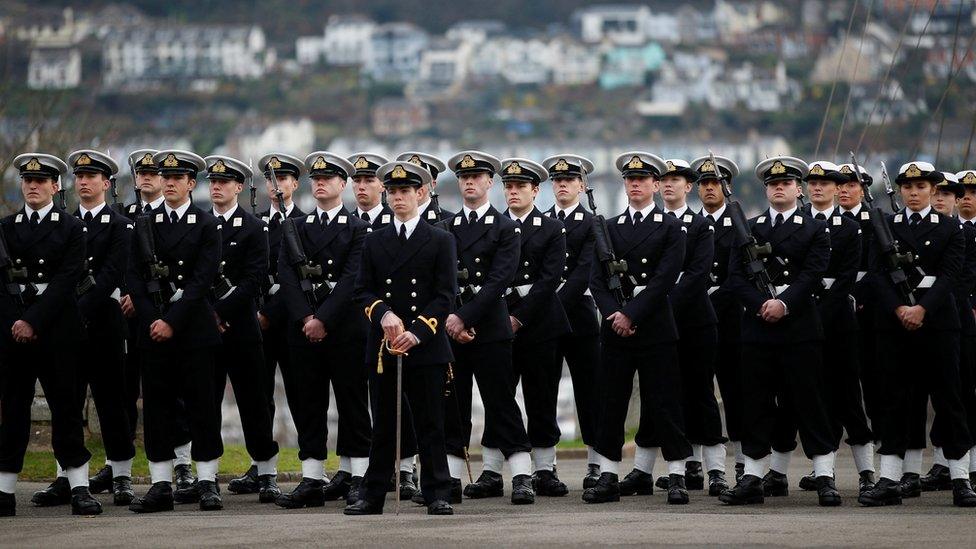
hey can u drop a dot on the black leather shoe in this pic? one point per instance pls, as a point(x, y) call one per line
point(158, 498)
point(962, 493)
point(607, 489)
point(748, 491)
point(716, 483)
point(546, 483)
point(209, 495)
point(338, 487)
point(82, 502)
point(58, 493)
point(827, 494)
point(419, 498)
point(355, 490)
point(522, 492)
point(183, 475)
point(268, 490)
point(102, 481)
point(592, 475)
point(865, 481)
point(122, 493)
point(911, 485)
point(363, 507)
point(662, 482)
point(884, 492)
point(190, 494)
point(972, 478)
point(246, 483)
point(488, 485)
point(740, 469)
point(677, 493)
point(775, 485)
point(694, 477)
point(456, 491)
point(8, 505)
point(637, 482)
point(308, 493)
point(407, 486)
point(937, 479)
point(440, 507)
point(808, 482)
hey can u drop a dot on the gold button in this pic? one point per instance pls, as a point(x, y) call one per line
point(40, 275)
point(526, 263)
point(180, 262)
point(477, 260)
point(786, 273)
point(329, 262)
point(643, 260)
point(643, 275)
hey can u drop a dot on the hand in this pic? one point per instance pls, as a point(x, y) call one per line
point(221, 327)
point(392, 326)
point(454, 326)
point(404, 342)
point(264, 322)
point(23, 332)
point(313, 329)
point(515, 323)
point(160, 331)
point(465, 336)
point(128, 309)
point(772, 310)
point(911, 317)
point(621, 324)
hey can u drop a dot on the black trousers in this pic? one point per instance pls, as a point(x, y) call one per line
point(534, 363)
point(782, 391)
point(491, 365)
point(582, 355)
point(423, 388)
point(307, 377)
point(408, 438)
point(660, 392)
point(276, 354)
point(171, 376)
point(244, 364)
point(21, 366)
point(939, 379)
point(133, 385)
point(102, 367)
point(696, 358)
point(842, 388)
point(728, 366)
point(870, 370)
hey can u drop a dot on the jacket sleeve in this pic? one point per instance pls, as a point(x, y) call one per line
point(528, 309)
point(112, 273)
point(248, 288)
point(739, 283)
point(811, 271)
point(949, 266)
point(365, 293)
point(63, 284)
point(579, 280)
point(445, 282)
point(200, 281)
point(662, 281)
point(295, 307)
point(500, 276)
point(847, 269)
point(694, 277)
point(333, 310)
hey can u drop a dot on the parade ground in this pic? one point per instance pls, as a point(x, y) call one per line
point(638, 520)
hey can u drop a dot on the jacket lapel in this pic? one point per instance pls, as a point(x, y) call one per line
point(36, 234)
point(789, 226)
point(175, 233)
point(903, 231)
point(417, 240)
point(321, 236)
point(469, 234)
point(642, 230)
point(924, 228)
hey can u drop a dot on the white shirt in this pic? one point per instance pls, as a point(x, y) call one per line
point(963, 219)
point(679, 212)
point(786, 215)
point(423, 207)
point(480, 211)
point(94, 211)
point(826, 213)
point(521, 218)
point(909, 212)
point(41, 214)
point(716, 214)
point(644, 213)
point(277, 212)
point(411, 224)
point(855, 210)
point(179, 211)
point(373, 212)
point(568, 210)
point(332, 213)
point(226, 215)
point(154, 204)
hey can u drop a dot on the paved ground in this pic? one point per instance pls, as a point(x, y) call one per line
point(644, 520)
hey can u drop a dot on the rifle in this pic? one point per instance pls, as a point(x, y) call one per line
point(434, 200)
point(253, 189)
point(889, 190)
point(135, 188)
point(118, 207)
point(156, 271)
point(612, 267)
point(895, 261)
point(294, 252)
point(10, 274)
point(752, 252)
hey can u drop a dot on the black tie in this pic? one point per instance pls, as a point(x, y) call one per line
point(821, 217)
point(324, 218)
point(916, 218)
point(849, 214)
point(778, 221)
point(221, 219)
point(173, 217)
point(35, 219)
point(276, 219)
point(147, 208)
point(672, 214)
point(365, 216)
point(561, 215)
point(403, 233)
point(637, 218)
point(88, 218)
point(969, 222)
point(473, 217)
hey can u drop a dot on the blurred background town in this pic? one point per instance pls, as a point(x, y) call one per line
point(891, 79)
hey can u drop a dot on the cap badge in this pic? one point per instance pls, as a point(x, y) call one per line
point(416, 160)
point(467, 161)
point(361, 163)
point(274, 163)
point(218, 167)
point(671, 167)
point(970, 179)
point(320, 163)
point(561, 166)
point(846, 169)
point(170, 161)
point(514, 169)
point(913, 171)
point(33, 165)
point(635, 163)
point(398, 172)
point(778, 168)
point(817, 169)
point(147, 160)
point(83, 160)
point(707, 167)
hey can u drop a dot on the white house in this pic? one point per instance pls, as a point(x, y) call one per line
point(573, 63)
point(618, 24)
point(54, 69)
point(394, 51)
point(346, 39)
